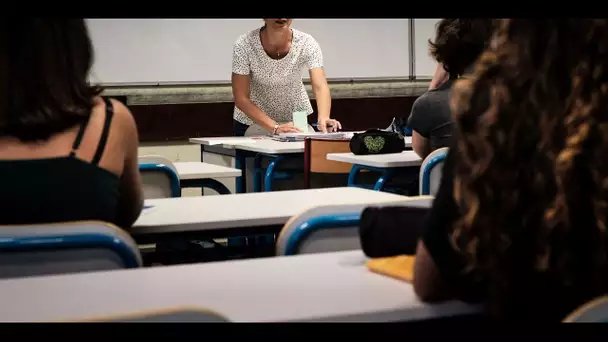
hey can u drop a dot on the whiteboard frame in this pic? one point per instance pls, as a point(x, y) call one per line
point(412, 49)
point(220, 83)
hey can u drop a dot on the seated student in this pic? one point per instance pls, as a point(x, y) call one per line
point(65, 153)
point(457, 45)
point(520, 219)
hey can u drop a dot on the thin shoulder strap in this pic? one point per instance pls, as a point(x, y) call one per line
point(106, 131)
point(79, 136)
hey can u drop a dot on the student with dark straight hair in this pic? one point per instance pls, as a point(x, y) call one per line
point(65, 152)
point(457, 45)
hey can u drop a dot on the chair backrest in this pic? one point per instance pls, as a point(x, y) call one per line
point(430, 171)
point(595, 311)
point(42, 249)
point(331, 228)
point(315, 162)
point(159, 177)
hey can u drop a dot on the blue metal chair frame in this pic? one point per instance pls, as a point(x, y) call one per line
point(209, 183)
point(71, 241)
point(331, 221)
point(386, 175)
point(176, 190)
point(425, 180)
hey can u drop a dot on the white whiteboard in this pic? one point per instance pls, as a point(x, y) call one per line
point(175, 51)
point(424, 64)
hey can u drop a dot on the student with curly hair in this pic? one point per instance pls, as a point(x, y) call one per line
point(457, 45)
point(520, 219)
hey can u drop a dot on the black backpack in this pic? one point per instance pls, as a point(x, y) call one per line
point(377, 141)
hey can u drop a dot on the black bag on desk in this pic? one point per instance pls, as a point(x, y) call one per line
point(376, 141)
point(391, 231)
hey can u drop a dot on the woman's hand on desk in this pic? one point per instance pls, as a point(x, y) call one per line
point(329, 125)
point(287, 128)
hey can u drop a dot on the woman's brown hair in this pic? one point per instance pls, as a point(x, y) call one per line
point(48, 89)
point(459, 42)
point(532, 169)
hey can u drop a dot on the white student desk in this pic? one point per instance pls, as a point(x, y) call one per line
point(241, 148)
point(311, 287)
point(387, 164)
point(205, 175)
point(198, 170)
point(261, 144)
point(244, 147)
point(273, 147)
point(390, 160)
point(247, 211)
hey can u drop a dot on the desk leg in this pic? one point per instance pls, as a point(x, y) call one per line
point(269, 177)
point(257, 173)
point(352, 176)
point(387, 174)
point(240, 163)
point(240, 187)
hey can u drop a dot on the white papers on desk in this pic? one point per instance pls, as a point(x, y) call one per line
point(230, 141)
point(302, 136)
point(300, 120)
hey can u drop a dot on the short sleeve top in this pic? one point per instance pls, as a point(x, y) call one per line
point(276, 84)
point(431, 117)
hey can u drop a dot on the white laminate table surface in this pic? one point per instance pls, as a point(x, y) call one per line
point(271, 146)
point(246, 210)
point(311, 287)
point(261, 144)
point(198, 170)
point(254, 144)
point(403, 159)
point(226, 142)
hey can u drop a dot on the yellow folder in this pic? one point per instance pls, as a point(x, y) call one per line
point(400, 267)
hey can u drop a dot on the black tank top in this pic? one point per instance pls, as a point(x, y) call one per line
point(60, 189)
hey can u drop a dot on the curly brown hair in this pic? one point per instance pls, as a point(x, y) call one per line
point(531, 179)
point(459, 42)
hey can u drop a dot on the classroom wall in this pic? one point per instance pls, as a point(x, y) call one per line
point(179, 122)
point(165, 114)
point(164, 132)
point(168, 116)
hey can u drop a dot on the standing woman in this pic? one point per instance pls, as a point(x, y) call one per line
point(267, 83)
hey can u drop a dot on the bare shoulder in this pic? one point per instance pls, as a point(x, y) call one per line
point(123, 116)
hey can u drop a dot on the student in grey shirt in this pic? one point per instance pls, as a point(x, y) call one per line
point(457, 45)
